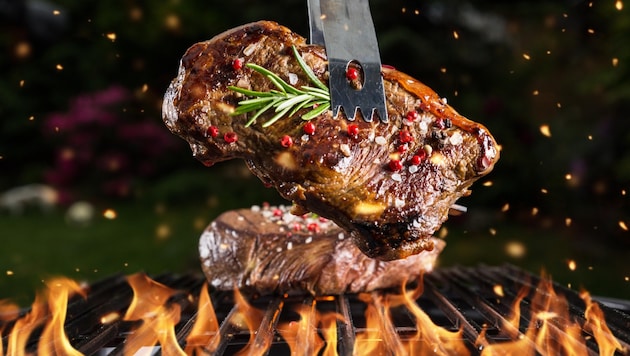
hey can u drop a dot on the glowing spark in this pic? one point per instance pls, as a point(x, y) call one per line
point(111, 36)
point(544, 190)
point(22, 83)
point(404, 10)
point(109, 214)
point(568, 222)
point(572, 265)
point(527, 56)
point(590, 137)
point(623, 226)
point(545, 130)
point(505, 207)
point(623, 192)
point(546, 315)
point(163, 231)
point(590, 31)
point(145, 87)
point(9, 272)
point(31, 118)
point(619, 5)
point(56, 12)
point(416, 12)
point(535, 92)
point(492, 231)
point(559, 105)
point(172, 22)
point(615, 62)
point(534, 211)
point(488, 183)
point(498, 290)
point(568, 176)
point(135, 14)
point(110, 318)
point(515, 249)
point(59, 67)
point(455, 35)
point(23, 49)
point(443, 70)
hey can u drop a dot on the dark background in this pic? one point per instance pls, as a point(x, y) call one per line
point(81, 84)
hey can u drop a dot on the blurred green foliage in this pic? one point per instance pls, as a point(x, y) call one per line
point(514, 66)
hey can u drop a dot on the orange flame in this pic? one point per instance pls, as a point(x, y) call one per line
point(8, 311)
point(204, 336)
point(149, 304)
point(551, 329)
point(429, 338)
point(596, 325)
point(51, 305)
point(24, 326)
point(248, 318)
point(301, 335)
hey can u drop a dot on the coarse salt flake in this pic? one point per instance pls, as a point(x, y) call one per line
point(396, 177)
point(399, 203)
point(293, 78)
point(456, 138)
point(345, 149)
point(380, 140)
point(423, 126)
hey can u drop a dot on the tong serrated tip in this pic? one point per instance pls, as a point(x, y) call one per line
point(346, 29)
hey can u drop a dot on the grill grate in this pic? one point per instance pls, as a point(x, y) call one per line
point(454, 298)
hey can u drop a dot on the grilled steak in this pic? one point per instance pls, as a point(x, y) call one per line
point(269, 250)
point(390, 185)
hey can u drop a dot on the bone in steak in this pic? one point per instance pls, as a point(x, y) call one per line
point(390, 185)
point(268, 250)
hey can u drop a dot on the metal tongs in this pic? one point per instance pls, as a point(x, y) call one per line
point(346, 30)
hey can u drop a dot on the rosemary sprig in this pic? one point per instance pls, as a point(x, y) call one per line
point(286, 99)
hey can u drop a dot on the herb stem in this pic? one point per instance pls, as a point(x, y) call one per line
point(287, 99)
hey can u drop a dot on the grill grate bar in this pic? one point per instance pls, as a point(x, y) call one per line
point(227, 330)
point(305, 337)
point(345, 330)
point(265, 333)
point(387, 328)
point(452, 311)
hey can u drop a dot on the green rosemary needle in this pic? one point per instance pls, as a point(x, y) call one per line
point(286, 99)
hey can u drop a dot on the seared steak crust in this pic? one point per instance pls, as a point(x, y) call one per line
point(268, 250)
point(389, 184)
